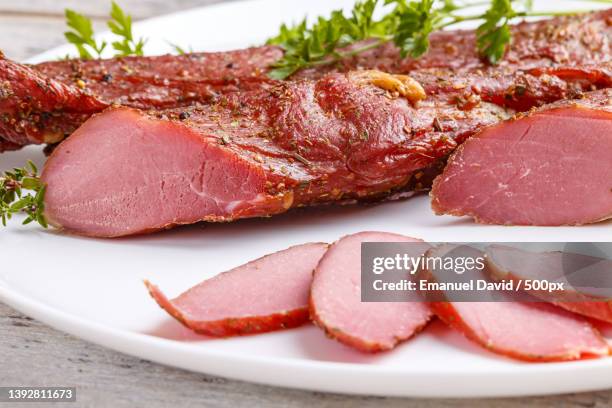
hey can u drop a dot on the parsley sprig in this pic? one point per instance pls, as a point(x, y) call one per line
point(81, 34)
point(494, 33)
point(408, 24)
point(321, 43)
point(13, 200)
point(121, 25)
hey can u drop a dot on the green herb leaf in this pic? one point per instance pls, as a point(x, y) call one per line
point(406, 23)
point(180, 50)
point(14, 201)
point(493, 35)
point(416, 22)
point(82, 35)
point(121, 25)
point(319, 44)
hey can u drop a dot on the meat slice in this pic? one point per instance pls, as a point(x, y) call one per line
point(522, 330)
point(335, 299)
point(550, 167)
point(270, 293)
point(175, 81)
point(586, 280)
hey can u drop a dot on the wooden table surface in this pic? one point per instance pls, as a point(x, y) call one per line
point(32, 354)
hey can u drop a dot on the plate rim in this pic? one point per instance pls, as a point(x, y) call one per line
point(130, 343)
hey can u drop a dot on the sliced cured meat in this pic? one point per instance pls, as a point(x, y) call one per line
point(270, 293)
point(336, 306)
point(258, 154)
point(586, 280)
point(175, 81)
point(522, 330)
point(550, 167)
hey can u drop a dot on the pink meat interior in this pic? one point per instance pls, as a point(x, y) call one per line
point(124, 172)
point(536, 329)
point(552, 168)
point(276, 283)
point(336, 292)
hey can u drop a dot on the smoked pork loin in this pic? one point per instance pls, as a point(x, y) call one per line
point(343, 137)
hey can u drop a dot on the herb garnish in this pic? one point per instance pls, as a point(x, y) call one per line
point(82, 35)
point(407, 24)
point(120, 24)
point(12, 197)
point(180, 50)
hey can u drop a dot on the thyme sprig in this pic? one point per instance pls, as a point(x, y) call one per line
point(408, 24)
point(13, 200)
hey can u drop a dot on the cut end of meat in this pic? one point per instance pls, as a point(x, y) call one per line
point(336, 306)
point(553, 167)
point(124, 172)
point(526, 331)
point(163, 302)
point(270, 293)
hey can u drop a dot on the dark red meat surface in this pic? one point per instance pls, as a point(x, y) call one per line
point(257, 154)
point(43, 103)
point(46, 102)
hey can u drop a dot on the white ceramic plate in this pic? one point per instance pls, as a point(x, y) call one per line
point(93, 288)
